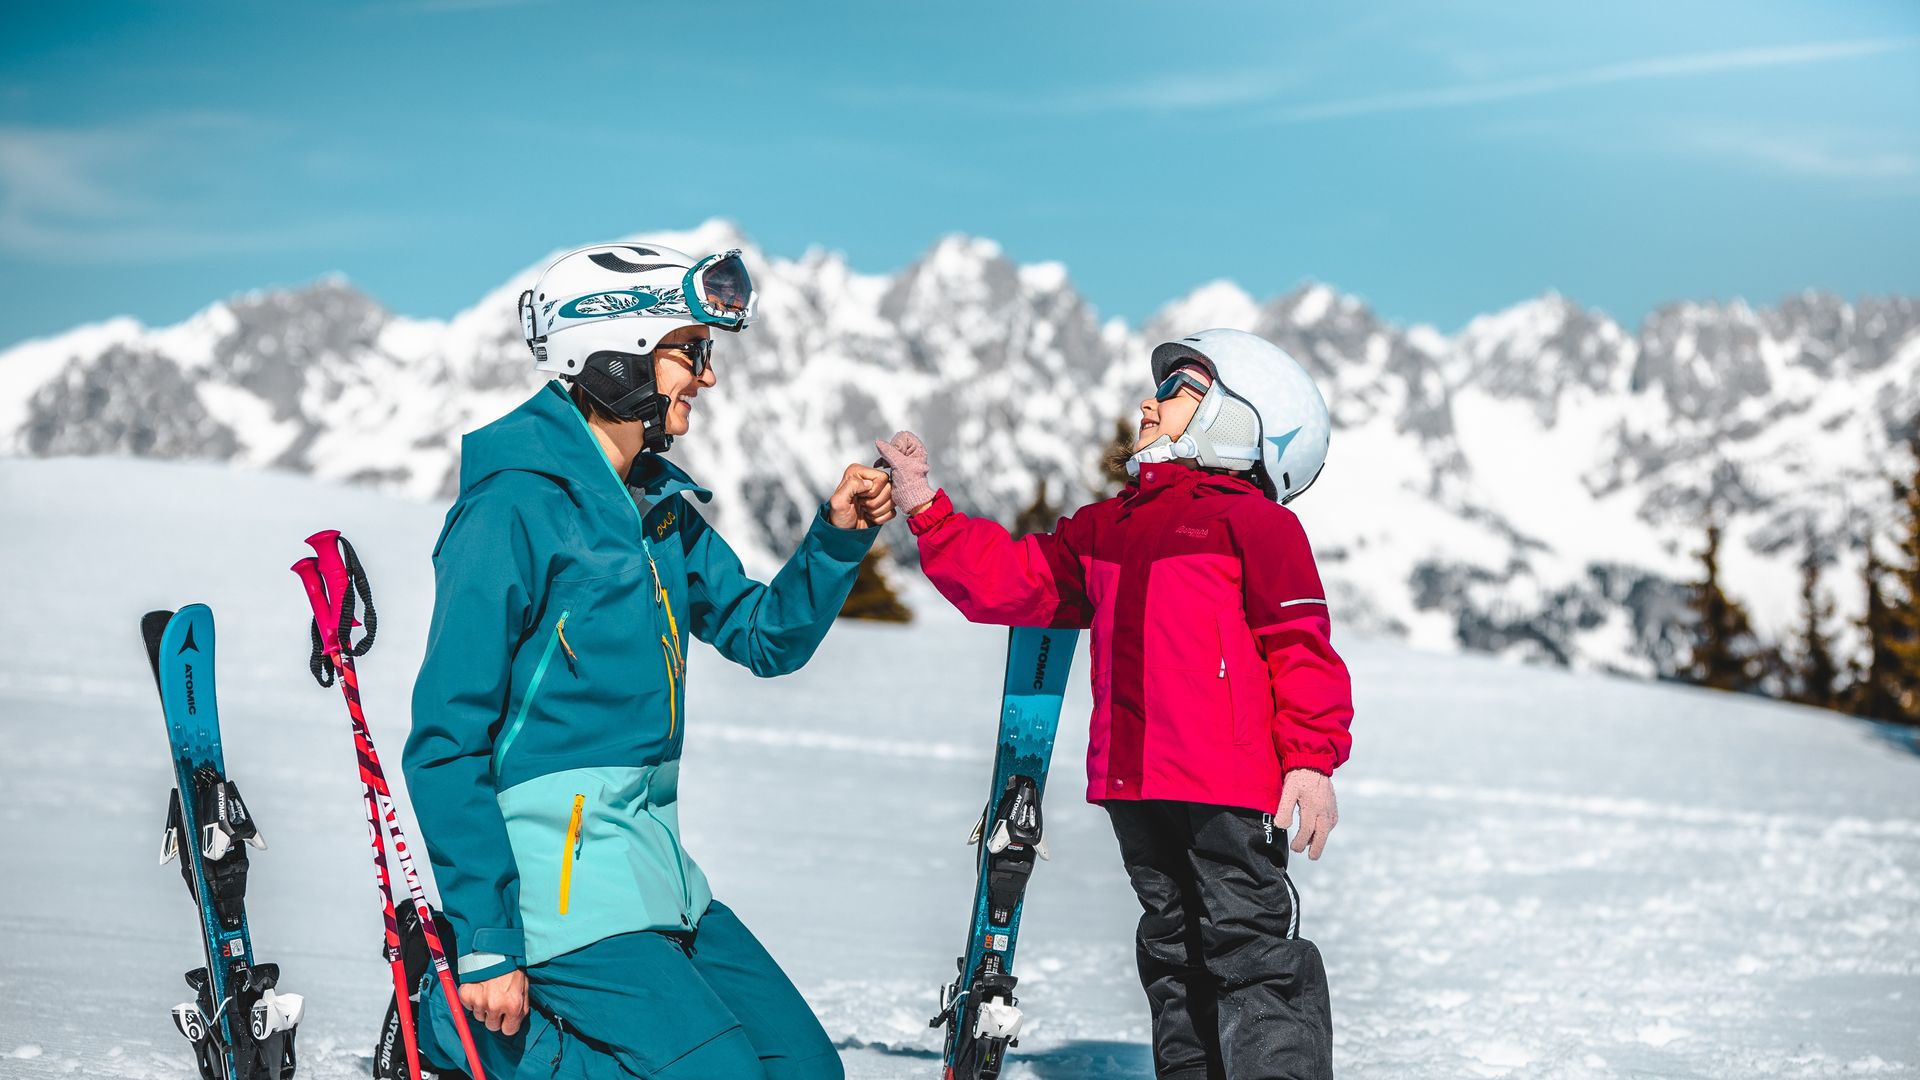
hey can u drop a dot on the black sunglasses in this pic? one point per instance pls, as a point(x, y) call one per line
point(699, 354)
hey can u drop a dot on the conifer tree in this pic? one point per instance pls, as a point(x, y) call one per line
point(1903, 600)
point(1815, 668)
point(872, 597)
point(1726, 654)
point(1875, 691)
point(1039, 516)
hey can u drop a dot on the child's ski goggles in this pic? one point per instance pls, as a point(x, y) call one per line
point(1178, 381)
point(719, 292)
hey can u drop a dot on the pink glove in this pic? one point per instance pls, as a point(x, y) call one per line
point(1312, 794)
point(906, 456)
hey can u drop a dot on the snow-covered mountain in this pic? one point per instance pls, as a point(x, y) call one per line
point(1533, 485)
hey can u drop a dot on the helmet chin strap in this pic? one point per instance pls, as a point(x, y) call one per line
point(1196, 443)
point(1164, 448)
point(623, 384)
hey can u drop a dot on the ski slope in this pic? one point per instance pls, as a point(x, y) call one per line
point(1538, 873)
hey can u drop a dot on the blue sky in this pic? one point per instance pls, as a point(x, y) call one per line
point(1439, 160)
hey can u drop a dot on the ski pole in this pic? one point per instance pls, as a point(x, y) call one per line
point(309, 575)
point(331, 582)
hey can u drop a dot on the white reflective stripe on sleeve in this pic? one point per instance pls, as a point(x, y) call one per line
point(1306, 600)
point(476, 961)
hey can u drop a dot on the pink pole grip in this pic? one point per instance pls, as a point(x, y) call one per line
point(326, 547)
point(325, 615)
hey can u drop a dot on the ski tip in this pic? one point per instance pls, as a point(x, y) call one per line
point(153, 625)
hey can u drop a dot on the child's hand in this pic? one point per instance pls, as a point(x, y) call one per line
point(1312, 793)
point(906, 459)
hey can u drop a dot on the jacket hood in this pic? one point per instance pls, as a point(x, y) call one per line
point(546, 435)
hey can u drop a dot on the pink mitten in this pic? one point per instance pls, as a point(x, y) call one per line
point(1312, 794)
point(906, 456)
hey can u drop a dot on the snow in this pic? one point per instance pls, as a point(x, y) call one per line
point(1217, 303)
point(1313, 305)
point(1044, 277)
point(1538, 873)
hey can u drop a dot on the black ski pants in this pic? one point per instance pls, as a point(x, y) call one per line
point(1235, 992)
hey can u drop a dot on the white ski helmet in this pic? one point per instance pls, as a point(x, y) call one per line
point(596, 315)
point(1262, 414)
point(624, 298)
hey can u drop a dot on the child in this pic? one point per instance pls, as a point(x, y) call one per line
point(1213, 678)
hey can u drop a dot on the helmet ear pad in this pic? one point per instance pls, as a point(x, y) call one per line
point(623, 384)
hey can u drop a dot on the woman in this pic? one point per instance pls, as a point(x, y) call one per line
point(1213, 678)
point(548, 718)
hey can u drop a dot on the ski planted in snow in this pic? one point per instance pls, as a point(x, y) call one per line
point(240, 1025)
point(978, 1008)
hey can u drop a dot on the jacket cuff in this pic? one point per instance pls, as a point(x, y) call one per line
point(506, 941)
point(481, 966)
point(1320, 761)
point(840, 545)
point(941, 509)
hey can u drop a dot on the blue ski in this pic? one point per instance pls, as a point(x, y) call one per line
point(978, 1009)
point(240, 1027)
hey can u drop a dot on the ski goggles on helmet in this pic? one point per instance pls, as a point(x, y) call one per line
point(719, 292)
point(699, 353)
point(1183, 379)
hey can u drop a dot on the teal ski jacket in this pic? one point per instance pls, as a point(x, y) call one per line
point(550, 711)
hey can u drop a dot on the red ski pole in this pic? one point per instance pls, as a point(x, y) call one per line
point(331, 581)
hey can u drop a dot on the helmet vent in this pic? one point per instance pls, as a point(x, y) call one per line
point(607, 260)
point(617, 368)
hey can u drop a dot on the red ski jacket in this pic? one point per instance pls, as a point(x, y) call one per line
point(1213, 672)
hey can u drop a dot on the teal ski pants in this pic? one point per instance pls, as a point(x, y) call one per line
point(711, 1005)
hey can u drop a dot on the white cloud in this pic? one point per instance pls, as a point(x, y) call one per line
point(145, 191)
point(1821, 155)
point(1665, 67)
point(1179, 92)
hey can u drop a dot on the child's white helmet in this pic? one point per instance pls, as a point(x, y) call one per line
point(1263, 413)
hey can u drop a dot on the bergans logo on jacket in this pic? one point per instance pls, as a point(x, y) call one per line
point(1212, 667)
point(550, 712)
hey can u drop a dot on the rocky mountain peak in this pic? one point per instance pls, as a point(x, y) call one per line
point(1532, 484)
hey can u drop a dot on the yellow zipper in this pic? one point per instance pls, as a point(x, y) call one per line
point(560, 628)
point(572, 853)
point(673, 711)
point(673, 624)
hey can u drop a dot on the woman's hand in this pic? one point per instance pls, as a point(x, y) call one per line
point(499, 1002)
point(906, 456)
point(863, 500)
point(1312, 794)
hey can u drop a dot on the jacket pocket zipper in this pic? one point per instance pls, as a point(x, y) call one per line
point(686, 888)
point(673, 710)
point(533, 690)
point(572, 854)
